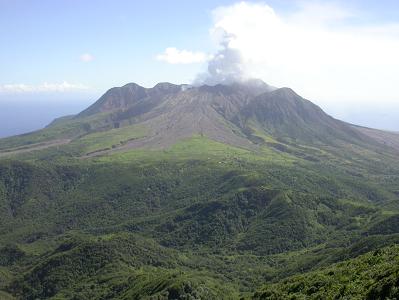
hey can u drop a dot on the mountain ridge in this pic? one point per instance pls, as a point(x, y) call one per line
point(222, 112)
point(244, 114)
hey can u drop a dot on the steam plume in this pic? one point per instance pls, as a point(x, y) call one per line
point(226, 66)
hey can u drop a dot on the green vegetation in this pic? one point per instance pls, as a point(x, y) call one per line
point(64, 128)
point(107, 140)
point(370, 276)
point(120, 266)
point(208, 219)
point(96, 219)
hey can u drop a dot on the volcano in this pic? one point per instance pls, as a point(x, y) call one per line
point(199, 192)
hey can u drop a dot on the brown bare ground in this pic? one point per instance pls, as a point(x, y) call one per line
point(389, 138)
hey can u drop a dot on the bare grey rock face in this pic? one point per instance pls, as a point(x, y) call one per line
point(233, 113)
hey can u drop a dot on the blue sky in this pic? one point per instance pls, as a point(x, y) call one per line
point(94, 45)
point(45, 39)
point(42, 40)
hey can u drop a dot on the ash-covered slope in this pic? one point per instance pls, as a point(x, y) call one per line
point(129, 95)
point(173, 112)
point(389, 138)
point(225, 113)
point(284, 114)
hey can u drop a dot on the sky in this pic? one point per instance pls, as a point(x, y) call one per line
point(59, 56)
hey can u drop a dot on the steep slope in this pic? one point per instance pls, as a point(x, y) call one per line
point(224, 113)
point(173, 112)
point(121, 98)
point(285, 115)
point(388, 138)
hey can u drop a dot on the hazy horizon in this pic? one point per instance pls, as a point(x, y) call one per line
point(29, 113)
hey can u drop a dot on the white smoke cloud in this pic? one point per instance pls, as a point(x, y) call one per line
point(233, 25)
point(42, 88)
point(320, 49)
point(226, 66)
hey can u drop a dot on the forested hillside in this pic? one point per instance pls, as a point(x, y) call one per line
point(264, 196)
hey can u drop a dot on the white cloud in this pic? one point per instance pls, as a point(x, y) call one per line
point(86, 57)
point(175, 56)
point(322, 50)
point(321, 13)
point(42, 88)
